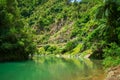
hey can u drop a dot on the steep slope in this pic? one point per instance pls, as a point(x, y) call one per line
point(57, 23)
point(61, 25)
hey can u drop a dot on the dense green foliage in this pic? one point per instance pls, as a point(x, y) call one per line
point(16, 41)
point(61, 27)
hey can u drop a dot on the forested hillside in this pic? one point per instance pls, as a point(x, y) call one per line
point(60, 27)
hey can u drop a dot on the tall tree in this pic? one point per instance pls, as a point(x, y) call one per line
point(15, 41)
point(109, 11)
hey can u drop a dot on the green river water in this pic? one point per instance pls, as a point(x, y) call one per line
point(52, 68)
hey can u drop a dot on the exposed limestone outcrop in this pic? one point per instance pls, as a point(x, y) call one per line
point(113, 73)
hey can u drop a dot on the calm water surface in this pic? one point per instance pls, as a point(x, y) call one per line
point(52, 68)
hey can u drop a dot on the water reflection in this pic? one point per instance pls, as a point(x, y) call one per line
point(52, 68)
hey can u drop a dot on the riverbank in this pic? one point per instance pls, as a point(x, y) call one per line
point(113, 73)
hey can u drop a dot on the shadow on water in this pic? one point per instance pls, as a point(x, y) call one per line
point(52, 68)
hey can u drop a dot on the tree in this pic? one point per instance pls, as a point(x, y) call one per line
point(16, 42)
point(108, 11)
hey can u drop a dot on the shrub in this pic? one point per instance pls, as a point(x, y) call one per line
point(112, 55)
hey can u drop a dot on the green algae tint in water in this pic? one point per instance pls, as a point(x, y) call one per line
point(51, 68)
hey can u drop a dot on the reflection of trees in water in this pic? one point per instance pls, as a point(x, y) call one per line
point(67, 67)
